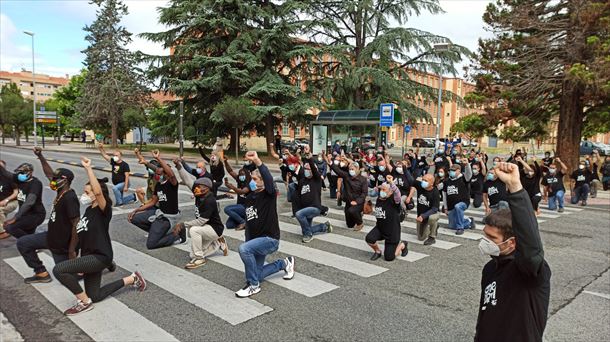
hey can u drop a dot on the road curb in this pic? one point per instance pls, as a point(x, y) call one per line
point(98, 168)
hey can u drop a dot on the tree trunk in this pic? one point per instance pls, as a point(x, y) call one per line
point(570, 124)
point(72, 137)
point(141, 129)
point(114, 134)
point(27, 136)
point(269, 127)
point(17, 137)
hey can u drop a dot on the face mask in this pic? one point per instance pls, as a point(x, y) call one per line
point(320, 159)
point(307, 173)
point(336, 162)
point(242, 178)
point(22, 177)
point(452, 174)
point(352, 173)
point(476, 159)
point(441, 174)
point(490, 176)
point(440, 152)
point(199, 170)
point(531, 174)
point(159, 178)
point(198, 192)
point(291, 167)
point(247, 162)
point(552, 171)
point(150, 172)
point(115, 159)
point(475, 172)
point(582, 167)
point(284, 156)
point(56, 184)
point(383, 194)
point(495, 163)
point(381, 168)
point(399, 170)
point(488, 247)
point(85, 200)
point(425, 184)
point(213, 159)
point(342, 164)
point(252, 185)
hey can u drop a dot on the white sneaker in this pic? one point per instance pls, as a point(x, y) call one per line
point(289, 268)
point(248, 291)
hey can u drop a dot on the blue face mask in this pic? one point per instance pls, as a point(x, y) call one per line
point(199, 171)
point(22, 177)
point(383, 194)
point(291, 167)
point(307, 173)
point(476, 159)
point(352, 173)
point(495, 163)
point(452, 174)
point(490, 176)
point(381, 168)
point(424, 184)
point(150, 172)
point(252, 185)
point(242, 178)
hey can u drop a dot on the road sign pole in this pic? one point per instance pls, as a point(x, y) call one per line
point(42, 133)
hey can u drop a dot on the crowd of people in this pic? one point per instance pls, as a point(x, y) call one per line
point(447, 182)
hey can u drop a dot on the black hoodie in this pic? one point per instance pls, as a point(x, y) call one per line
point(515, 288)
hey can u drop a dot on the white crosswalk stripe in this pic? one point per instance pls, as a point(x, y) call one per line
point(110, 319)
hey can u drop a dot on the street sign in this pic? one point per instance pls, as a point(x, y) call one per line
point(43, 116)
point(386, 115)
point(46, 120)
point(407, 128)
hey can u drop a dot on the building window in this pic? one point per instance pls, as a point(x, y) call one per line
point(285, 129)
point(448, 114)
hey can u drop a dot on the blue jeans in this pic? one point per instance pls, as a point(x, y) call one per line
point(119, 198)
point(499, 205)
point(305, 217)
point(372, 192)
point(580, 193)
point(237, 215)
point(559, 198)
point(292, 188)
point(253, 253)
point(457, 220)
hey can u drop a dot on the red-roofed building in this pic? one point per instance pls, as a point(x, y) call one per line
point(45, 85)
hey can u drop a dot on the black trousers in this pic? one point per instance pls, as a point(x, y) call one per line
point(25, 225)
point(477, 199)
point(353, 214)
point(92, 266)
point(389, 251)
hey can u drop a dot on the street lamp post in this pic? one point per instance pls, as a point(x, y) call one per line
point(439, 48)
point(31, 34)
point(181, 128)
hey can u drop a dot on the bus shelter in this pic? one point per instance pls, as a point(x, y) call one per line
point(353, 128)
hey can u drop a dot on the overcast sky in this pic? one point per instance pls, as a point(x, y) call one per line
point(59, 37)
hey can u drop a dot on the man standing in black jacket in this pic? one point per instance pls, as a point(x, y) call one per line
point(515, 286)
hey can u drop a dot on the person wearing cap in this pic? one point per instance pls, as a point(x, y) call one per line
point(61, 237)
point(206, 229)
point(120, 176)
point(31, 211)
point(456, 197)
point(161, 213)
point(8, 200)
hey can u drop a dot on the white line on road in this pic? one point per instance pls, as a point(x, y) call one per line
point(110, 320)
point(603, 295)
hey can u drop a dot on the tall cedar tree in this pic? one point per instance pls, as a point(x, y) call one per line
point(233, 49)
point(546, 58)
point(371, 58)
point(113, 82)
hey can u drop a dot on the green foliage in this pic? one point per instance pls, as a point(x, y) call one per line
point(597, 121)
point(64, 101)
point(15, 111)
point(474, 126)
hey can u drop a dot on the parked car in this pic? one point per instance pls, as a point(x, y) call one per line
point(290, 145)
point(587, 147)
point(301, 142)
point(424, 142)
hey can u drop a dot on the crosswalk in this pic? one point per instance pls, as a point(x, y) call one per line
point(113, 320)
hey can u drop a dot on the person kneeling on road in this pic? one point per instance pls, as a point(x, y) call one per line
point(428, 213)
point(456, 197)
point(262, 231)
point(494, 193)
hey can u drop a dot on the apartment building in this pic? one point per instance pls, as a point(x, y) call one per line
point(45, 85)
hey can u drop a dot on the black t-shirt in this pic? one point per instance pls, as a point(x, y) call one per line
point(387, 213)
point(457, 191)
point(118, 171)
point(379, 176)
point(207, 208)
point(6, 188)
point(241, 199)
point(476, 183)
point(582, 177)
point(426, 199)
point(167, 193)
point(309, 192)
point(403, 181)
point(261, 215)
point(93, 236)
point(555, 183)
point(60, 222)
point(495, 190)
point(33, 186)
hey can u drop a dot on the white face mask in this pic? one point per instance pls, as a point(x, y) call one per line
point(342, 164)
point(85, 200)
point(488, 247)
point(115, 159)
point(399, 170)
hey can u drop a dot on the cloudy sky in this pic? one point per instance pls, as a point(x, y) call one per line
point(59, 37)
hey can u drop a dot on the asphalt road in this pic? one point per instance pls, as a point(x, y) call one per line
point(337, 294)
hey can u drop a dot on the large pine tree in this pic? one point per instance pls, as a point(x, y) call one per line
point(113, 82)
point(227, 49)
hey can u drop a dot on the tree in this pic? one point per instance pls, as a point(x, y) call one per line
point(237, 113)
point(136, 117)
point(65, 99)
point(15, 111)
point(372, 61)
point(474, 126)
point(113, 82)
point(546, 58)
point(250, 51)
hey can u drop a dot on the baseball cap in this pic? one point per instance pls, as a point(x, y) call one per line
point(25, 167)
point(63, 173)
point(205, 182)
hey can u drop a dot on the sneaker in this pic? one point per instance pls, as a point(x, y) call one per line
point(405, 250)
point(241, 227)
point(429, 241)
point(583, 203)
point(139, 282)
point(182, 234)
point(375, 256)
point(223, 246)
point(79, 307)
point(194, 263)
point(560, 210)
point(307, 239)
point(112, 267)
point(459, 232)
point(329, 227)
point(473, 225)
point(38, 279)
point(289, 268)
point(358, 227)
point(248, 291)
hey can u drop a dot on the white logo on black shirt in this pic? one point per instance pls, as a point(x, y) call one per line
point(490, 295)
point(251, 213)
point(551, 180)
point(162, 196)
point(52, 217)
point(423, 200)
point(82, 225)
point(305, 189)
point(21, 196)
point(380, 178)
point(196, 212)
point(452, 190)
point(379, 213)
point(580, 178)
point(1, 188)
point(492, 190)
point(400, 182)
